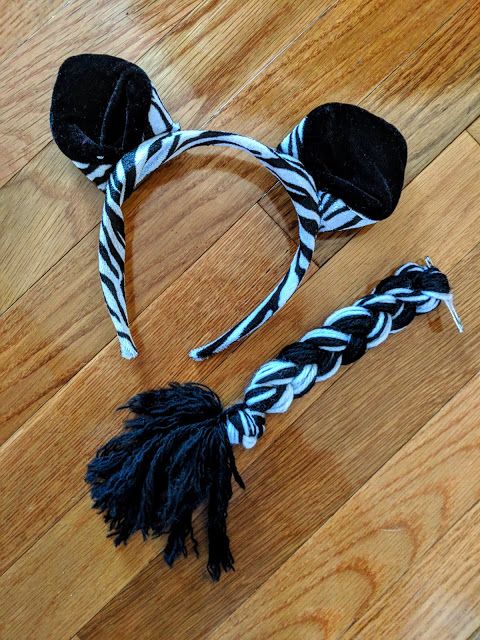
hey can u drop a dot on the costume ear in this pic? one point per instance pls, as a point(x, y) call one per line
point(102, 107)
point(353, 155)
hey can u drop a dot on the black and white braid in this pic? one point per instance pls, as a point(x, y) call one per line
point(343, 338)
point(176, 451)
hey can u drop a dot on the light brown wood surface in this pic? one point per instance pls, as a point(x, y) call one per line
point(20, 20)
point(474, 129)
point(403, 510)
point(262, 107)
point(361, 517)
point(224, 197)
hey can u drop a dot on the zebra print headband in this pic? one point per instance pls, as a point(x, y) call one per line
point(342, 167)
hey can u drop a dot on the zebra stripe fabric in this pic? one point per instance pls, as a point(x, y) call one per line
point(159, 123)
point(343, 338)
point(164, 140)
point(337, 215)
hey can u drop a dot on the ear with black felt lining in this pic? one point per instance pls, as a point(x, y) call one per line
point(353, 155)
point(100, 108)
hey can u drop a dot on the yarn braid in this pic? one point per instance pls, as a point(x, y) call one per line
point(176, 451)
point(344, 337)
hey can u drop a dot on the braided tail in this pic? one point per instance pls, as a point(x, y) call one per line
point(176, 452)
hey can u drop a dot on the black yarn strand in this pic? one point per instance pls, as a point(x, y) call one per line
point(173, 455)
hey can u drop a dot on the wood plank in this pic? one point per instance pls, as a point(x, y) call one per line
point(413, 97)
point(215, 197)
point(431, 602)
point(60, 212)
point(474, 130)
point(199, 293)
point(44, 338)
point(32, 609)
point(325, 43)
point(220, 40)
point(69, 330)
point(307, 469)
point(27, 75)
point(181, 65)
point(404, 509)
point(278, 205)
point(18, 21)
point(264, 244)
point(201, 47)
point(450, 60)
point(55, 457)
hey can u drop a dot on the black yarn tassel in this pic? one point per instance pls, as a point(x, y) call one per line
point(172, 456)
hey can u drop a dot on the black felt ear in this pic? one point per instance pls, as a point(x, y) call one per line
point(356, 156)
point(99, 107)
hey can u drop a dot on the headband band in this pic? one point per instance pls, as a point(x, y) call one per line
point(176, 451)
point(342, 167)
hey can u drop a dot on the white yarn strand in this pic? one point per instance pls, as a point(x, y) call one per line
point(282, 380)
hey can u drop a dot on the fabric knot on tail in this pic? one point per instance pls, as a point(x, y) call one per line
point(244, 425)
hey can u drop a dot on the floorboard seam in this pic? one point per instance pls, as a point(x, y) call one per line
point(345, 504)
point(232, 348)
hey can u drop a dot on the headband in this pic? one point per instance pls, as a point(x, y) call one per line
point(342, 167)
point(176, 452)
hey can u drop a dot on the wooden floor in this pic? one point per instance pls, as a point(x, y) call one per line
point(361, 517)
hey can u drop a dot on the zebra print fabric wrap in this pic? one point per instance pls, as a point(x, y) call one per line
point(335, 214)
point(159, 123)
point(344, 337)
point(316, 211)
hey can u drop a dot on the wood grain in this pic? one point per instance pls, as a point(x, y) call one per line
point(443, 74)
point(84, 562)
point(55, 457)
point(360, 517)
point(214, 189)
point(61, 212)
point(432, 602)
point(20, 20)
point(278, 205)
point(310, 464)
point(414, 98)
point(338, 575)
point(474, 130)
point(79, 25)
point(221, 37)
point(200, 47)
point(251, 243)
point(33, 608)
point(65, 211)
